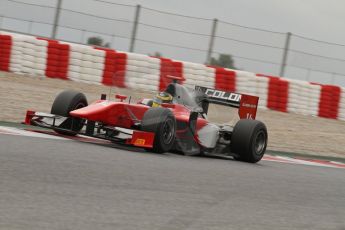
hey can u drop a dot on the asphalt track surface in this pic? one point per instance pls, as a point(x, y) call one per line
point(59, 184)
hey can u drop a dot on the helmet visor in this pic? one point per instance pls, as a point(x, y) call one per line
point(157, 100)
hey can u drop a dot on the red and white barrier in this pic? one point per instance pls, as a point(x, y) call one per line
point(5, 52)
point(35, 56)
point(341, 112)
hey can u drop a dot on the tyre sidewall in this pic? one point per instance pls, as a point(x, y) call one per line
point(154, 121)
point(244, 139)
point(64, 103)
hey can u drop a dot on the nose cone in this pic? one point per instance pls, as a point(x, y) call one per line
point(79, 112)
point(90, 111)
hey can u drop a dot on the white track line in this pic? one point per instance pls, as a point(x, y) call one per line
point(21, 132)
point(280, 159)
point(320, 163)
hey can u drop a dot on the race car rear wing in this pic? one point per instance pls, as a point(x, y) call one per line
point(246, 104)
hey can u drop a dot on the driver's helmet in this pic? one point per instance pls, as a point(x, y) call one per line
point(162, 97)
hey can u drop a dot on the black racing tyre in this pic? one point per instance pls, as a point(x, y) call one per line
point(249, 140)
point(64, 103)
point(160, 121)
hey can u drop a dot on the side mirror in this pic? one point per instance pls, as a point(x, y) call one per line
point(120, 97)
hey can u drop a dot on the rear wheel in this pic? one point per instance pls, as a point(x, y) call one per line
point(64, 103)
point(249, 140)
point(162, 122)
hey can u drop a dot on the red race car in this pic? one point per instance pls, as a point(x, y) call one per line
point(175, 120)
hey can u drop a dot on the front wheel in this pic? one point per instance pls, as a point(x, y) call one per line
point(64, 103)
point(249, 140)
point(160, 121)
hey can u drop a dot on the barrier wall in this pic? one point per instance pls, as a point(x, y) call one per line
point(35, 56)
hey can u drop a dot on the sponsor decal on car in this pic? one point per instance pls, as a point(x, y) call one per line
point(234, 97)
point(139, 141)
point(249, 105)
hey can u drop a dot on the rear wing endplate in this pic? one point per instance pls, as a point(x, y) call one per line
point(247, 105)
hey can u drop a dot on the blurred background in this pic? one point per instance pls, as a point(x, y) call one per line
point(280, 38)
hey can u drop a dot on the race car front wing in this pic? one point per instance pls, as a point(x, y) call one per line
point(92, 129)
